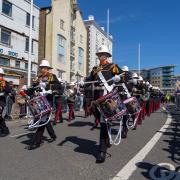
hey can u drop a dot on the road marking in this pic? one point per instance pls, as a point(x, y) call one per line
point(167, 173)
point(17, 135)
point(130, 167)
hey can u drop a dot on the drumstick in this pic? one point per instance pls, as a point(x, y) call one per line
point(91, 82)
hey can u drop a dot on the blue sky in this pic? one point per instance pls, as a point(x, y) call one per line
point(153, 23)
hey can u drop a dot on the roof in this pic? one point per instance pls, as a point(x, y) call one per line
point(147, 69)
point(93, 22)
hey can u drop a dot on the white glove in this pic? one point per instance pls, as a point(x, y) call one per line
point(81, 83)
point(42, 84)
point(44, 92)
point(116, 78)
point(48, 92)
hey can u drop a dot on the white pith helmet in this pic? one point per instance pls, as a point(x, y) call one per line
point(134, 75)
point(125, 68)
point(103, 49)
point(45, 63)
point(140, 78)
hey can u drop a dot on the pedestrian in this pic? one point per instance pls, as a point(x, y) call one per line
point(10, 100)
point(22, 101)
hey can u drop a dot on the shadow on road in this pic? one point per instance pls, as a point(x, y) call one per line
point(30, 137)
point(84, 146)
point(173, 136)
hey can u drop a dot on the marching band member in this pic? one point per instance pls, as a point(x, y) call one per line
point(51, 83)
point(125, 79)
point(108, 70)
point(58, 104)
point(71, 100)
point(4, 131)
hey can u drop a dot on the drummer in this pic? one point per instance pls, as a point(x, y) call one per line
point(51, 82)
point(59, 105)
point(4, 131)
point(108, 70)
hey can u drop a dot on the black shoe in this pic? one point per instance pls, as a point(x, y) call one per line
point(123, 135)
point(134, 128)
point(53, 123)
point(3, 134)
point(32, 146)
point(101, 157)
point(61, 121)
point(52, 140)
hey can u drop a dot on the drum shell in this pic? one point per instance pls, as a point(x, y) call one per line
point(111, 106)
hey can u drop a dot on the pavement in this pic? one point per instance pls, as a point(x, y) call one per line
point(73, 155)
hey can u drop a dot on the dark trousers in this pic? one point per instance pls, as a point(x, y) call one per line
point(71, 111)
point(58, 104)
point(39, 133)
point(3, 128)
point(125, 129)
point(104, 138)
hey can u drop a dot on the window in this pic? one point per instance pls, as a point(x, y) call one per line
point(103, 41)
point(60, 74)
point(61, 48)
point(26, 66)
point(5, 37)
point(7, 8)
point(80, 58)
point(27, 45)
point(17, 64)
point(28, 20)
point(62, 24)
point(4, 61)
point(81, 39)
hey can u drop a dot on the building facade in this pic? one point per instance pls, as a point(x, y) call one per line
point(96, 38)
point(161, 77)
point(63, 39)
point(14, 38)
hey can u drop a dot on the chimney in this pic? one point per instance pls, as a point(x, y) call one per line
point(91, 18)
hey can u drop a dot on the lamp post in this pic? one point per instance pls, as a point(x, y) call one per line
point(30, 46)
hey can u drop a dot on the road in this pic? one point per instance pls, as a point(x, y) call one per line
point(72, 156)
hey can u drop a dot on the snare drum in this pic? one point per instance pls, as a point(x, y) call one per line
point(39, 106)
point(133, 110)
point(111, 106)
point(132, 105)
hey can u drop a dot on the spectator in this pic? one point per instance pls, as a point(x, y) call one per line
point(21, 100)
point(10, 100)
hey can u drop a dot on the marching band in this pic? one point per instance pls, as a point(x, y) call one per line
point(111, 94)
